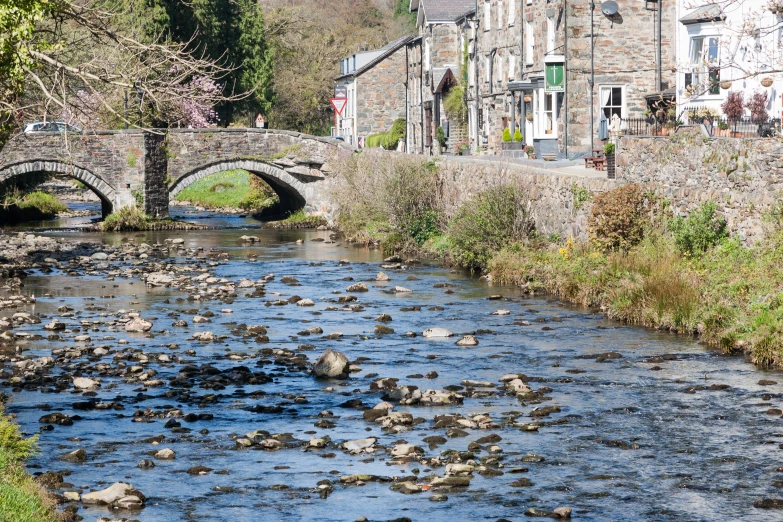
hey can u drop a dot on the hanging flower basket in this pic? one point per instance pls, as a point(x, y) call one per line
point(725, 85)
point(767, 82)
point(528, 98)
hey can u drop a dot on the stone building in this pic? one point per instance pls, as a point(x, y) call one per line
point(608, 64)
point(437, 61)
point(375, 88)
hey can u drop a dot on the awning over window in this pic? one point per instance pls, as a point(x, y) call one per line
point(703, 14)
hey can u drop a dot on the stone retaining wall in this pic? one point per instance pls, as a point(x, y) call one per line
point(744, 177)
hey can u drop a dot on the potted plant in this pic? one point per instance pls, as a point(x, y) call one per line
point(530, 151)
point(517, 144)
point(506, 138)
point(462, 148)
point(723, 129)
point(610, 163)
point(733, 108)
point(529, 116)
point(440, 137)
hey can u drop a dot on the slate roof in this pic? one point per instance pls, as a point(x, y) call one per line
point(387, 49)
point(705, 13)
point(446, 10)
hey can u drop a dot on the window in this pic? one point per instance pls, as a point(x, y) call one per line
point(613, 101)
point(714, 81)
point(487, 15)
point(550, 34)
point(546, 107)
point(512, 12)
point(499, 74)
point(500, 13)
point(471, 72)
point(488, 68)
point(704, 51)
point(529, 42)
point(512, 62)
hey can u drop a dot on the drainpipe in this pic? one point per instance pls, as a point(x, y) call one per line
point(476, 78)
point(658, 48)
point(565, 75)
point(421, 92)
point(592, 76)
point(407, 105)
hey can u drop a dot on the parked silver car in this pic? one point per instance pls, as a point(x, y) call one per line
point(51, 126)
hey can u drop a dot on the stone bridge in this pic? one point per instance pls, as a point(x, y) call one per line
point(133, 168)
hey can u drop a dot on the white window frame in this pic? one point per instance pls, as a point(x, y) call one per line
point(530, 43)
point(487, 15)
point(500, 14)
point(486, 70)
point(550, 34)
point(498, 72)
point(539, 114)
point(512, 62)
point(512, 12)
point(623, 105)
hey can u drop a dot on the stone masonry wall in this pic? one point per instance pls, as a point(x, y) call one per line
point(744, 177)
point(380, 95)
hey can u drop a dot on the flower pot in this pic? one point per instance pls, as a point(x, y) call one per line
point(528, 99)
point(734, 134)
point(548, 132)
point(529, 117)
point(531, 155)
point(766, 82)
point(464, 152)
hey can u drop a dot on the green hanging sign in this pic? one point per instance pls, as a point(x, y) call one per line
point(555, 78)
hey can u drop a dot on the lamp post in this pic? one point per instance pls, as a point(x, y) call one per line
point(140, 98)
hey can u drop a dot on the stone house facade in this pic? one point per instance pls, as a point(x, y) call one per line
point(375, 90)
point(436, 63)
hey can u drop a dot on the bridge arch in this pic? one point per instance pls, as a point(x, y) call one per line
point(98, 185)
point(291, 191)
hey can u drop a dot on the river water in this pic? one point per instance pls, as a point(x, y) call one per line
point(666, 430)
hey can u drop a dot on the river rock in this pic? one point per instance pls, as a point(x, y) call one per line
point(165, 454)
point(358, 287)
point(305, 302)
point(159, 279)
point(83, 383)
point(402, 450)
point(436, 332)
point(468, 340)
point(75, 456)
point(205, 336)
point(199, 319)
point(402, 290)
point(360, 444)
point(382, 277)
point(562, 512)
point(113, 494)
point(331, 364)
point(55, 326)
point(138, 324)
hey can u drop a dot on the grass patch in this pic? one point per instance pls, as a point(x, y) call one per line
point(299, 219)
point(32, 206)
point(21, 498)
point(126, 219)
point(233, 189)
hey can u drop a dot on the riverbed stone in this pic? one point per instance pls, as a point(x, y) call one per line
point(436, 333)
point(468, 340)
point(112, 494)
point(357, 287)
point(77, 456)
point(138, 324)
point(83, 383)
point(331, 364)
point(165, 454)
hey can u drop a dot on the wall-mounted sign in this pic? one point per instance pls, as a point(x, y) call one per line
point(555, 77)
point(340, 91)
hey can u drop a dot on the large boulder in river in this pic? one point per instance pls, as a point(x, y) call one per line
point(331, 364)
point(138, 324)
point(436, 332)
point(119, 493)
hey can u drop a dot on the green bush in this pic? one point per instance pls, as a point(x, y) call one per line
point(487, 223)
point(506, 135)
point(424, 226)
point(388, 140)
point(517, 136)
point(126, 220)
point(455, 106)
point(44, 203)
point(609, 148)
point(617, 219)
point(700, 231)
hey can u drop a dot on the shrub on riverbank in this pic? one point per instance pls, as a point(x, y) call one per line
point(401, 210)
point(230, 189)
point(21, 498)
point(32, 206)
point(126, 219)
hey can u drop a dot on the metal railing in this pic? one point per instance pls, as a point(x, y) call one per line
point(745, 127)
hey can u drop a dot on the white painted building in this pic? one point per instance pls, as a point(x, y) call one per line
point(728, 46)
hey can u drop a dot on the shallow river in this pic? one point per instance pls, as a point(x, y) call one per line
point(636, 437)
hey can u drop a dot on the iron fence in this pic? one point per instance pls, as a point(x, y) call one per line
point(745, 127)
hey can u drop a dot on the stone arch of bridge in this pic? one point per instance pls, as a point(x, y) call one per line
point(290, 190)
point(94, 182)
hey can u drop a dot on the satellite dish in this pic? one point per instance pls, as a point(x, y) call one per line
point(609, 8)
